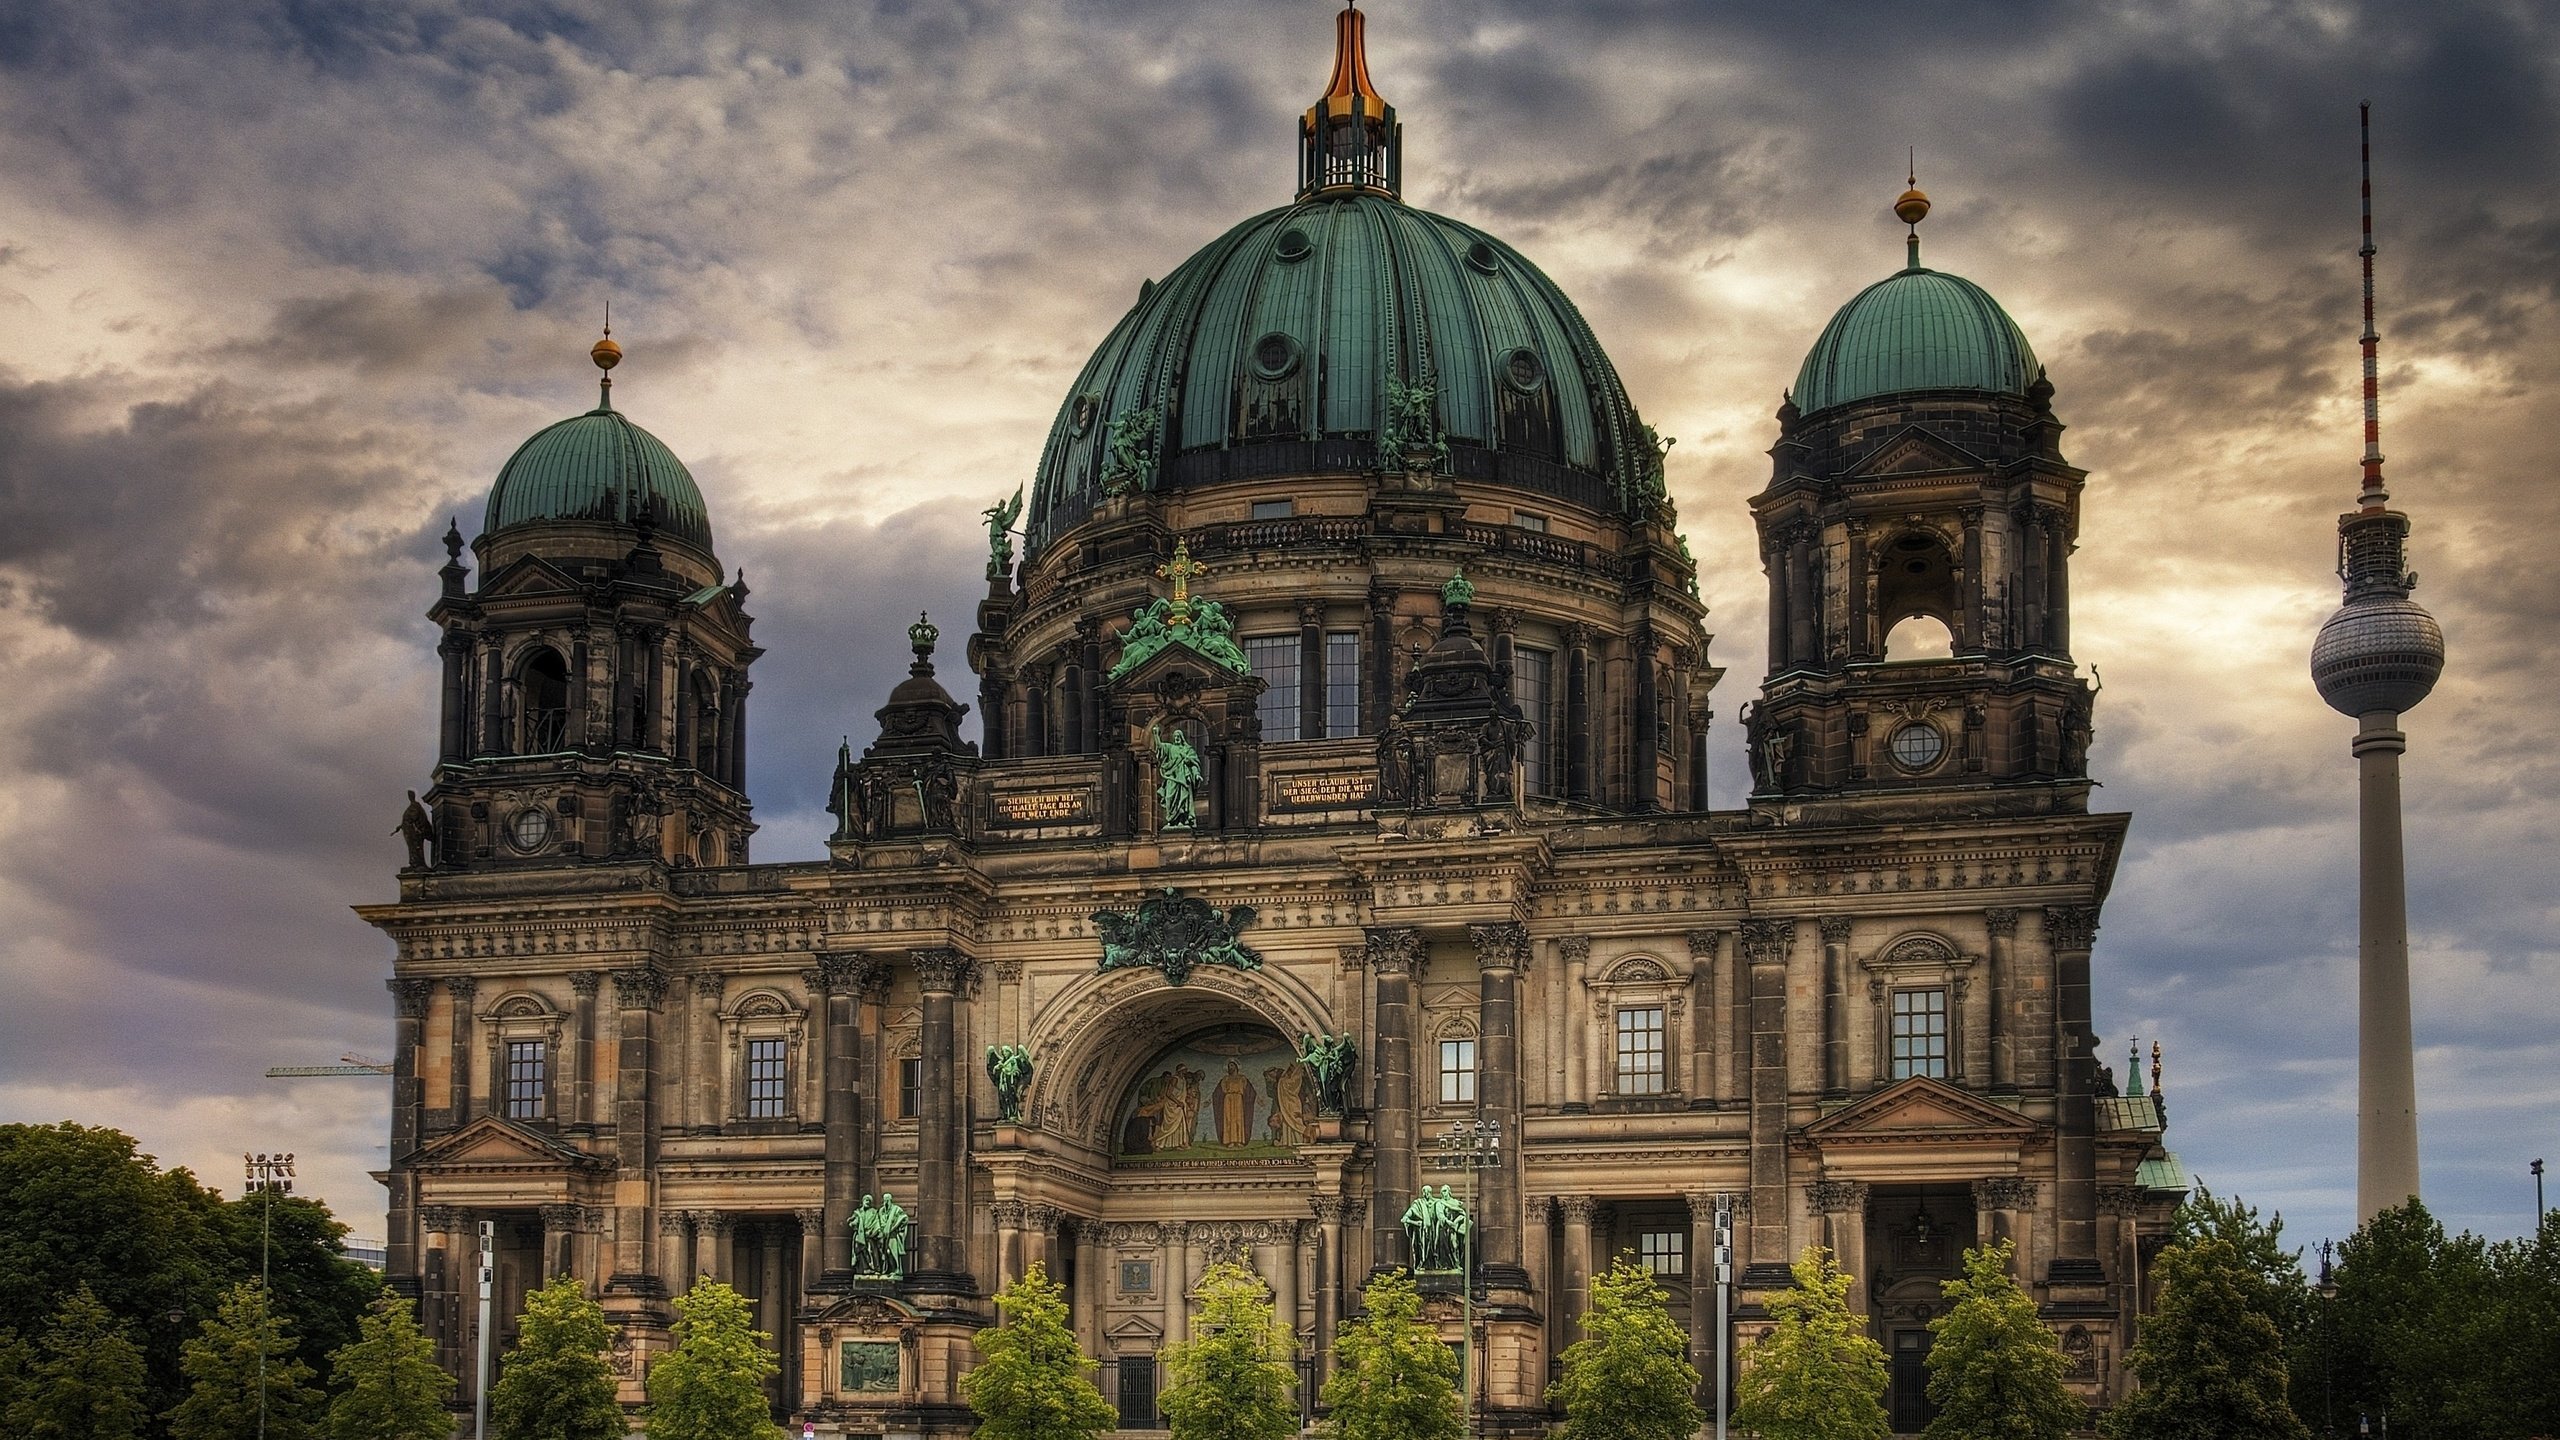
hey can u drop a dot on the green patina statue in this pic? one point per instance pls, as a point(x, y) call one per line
point(879, 1239)
point(1658, 448)
point(1010, 1067)
point(1130, 463)
point(1411, 438)
point(1001, 517)
point(1201, 626)
point(1435, 1232)
point(1175, 933)
point(1177, 779)
point(1329, 1059)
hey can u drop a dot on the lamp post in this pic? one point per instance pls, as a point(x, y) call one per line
point(2537, 1196)
point(1474, 1146)
point(2328, 1291)
point(267, 1177)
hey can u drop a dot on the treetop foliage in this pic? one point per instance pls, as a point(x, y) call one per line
point(1032, 1381)
point(558, 1382)
point(1995, 1371)
point(1629, 1376)
point(1816, 1375)
point(2210, 1362)
point(245, 1351)
point(85, 1382)
point(1392, 1377)
point(711, 1385)
point(1232, 1380)
point(392, 1388)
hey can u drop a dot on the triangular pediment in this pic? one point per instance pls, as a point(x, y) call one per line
point(1136, 1327)
point(489, 1143)
point(528, 575)
point(1179, 669)
point(1916, 451)
point(1916, 1108)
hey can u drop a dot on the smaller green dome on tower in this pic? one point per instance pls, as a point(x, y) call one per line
point(601, 469)
point(1918, 329)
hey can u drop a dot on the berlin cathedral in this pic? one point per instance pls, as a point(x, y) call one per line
point(1336, 827)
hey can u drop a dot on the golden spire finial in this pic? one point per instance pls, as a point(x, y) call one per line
point(606, 354)
point(1181, 570)
point(1913, 207)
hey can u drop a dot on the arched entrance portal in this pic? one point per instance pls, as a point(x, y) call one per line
point(1230, 1094)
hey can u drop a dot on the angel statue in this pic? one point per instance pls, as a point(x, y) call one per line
point(1010, 1067)
point(1000, 522)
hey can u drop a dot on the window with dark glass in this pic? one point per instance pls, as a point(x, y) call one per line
point(1274, 509)
point(1342, 682)
point(910, 1074)
point(1533, 688)
point(1457, 1072)
point(1919, 1033)
point(1137, 1392)
point(1529, 520)
point(1275, 662)
point(543, 690)
point(1640, 1050)
point(767, 1089)
point(1664, 1252)
point(528, 1062)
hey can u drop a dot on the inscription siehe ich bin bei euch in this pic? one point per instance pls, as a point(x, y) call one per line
point(1043, 807)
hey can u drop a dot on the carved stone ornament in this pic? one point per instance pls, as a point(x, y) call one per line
point(2071, 927)
point(2001, 921)
point(942, 970)
point(2122, 1201)
point(1767, 942)
point(845, 972)
point(1835, 929)
point(1500, 947)
point(585, 983)
point(1333, 1209)
point(2004, 1192)
point(638, 989)
point(1703, 943)
point(1575, 949)
point(413, 997)
point(1176, 933)
point(1835, 1197)
point(1395, 951)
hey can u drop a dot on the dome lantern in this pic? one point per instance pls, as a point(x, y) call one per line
point(599, 468)
point(1916, 329)
point(1350, 139)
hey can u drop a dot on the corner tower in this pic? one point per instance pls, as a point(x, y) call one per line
point(1917, 532)
point(595, 680)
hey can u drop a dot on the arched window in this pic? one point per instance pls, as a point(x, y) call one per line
point(1919, 637)
point(542, 680)
point(706, 725)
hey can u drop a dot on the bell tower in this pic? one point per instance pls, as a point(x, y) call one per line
point(595, 680)
point(1917, 532)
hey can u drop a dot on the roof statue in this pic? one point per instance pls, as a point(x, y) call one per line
point(879, 1227)
point(1001, 517)
point(1177, 778)
point(1200, 626)
point(1435, 1229)
point(1009, 1066)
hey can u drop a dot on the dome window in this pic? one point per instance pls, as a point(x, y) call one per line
point(1294, 245)
point(1484, 257)
point(1275, 357)
point(1917, 746)
point(1523, 371)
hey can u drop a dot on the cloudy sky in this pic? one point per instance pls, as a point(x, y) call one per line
point(282, 284)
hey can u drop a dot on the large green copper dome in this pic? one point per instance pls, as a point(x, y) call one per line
point(1919, 329)
point(598, 467)
point(1272, 352)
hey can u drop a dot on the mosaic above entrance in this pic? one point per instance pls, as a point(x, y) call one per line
point(1235, 1093)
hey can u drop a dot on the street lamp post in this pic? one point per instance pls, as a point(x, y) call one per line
point(267, 1177)
point(1473, 1146)
point(2328, 1344)
point(2537, 1196)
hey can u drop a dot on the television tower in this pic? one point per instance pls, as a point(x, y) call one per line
point(2375, 659)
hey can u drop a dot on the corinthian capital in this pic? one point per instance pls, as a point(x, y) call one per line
point(2071, 927)
point(1768, 942)
point(1500, 947)
point(942, 970)
point(638, 989)
point(1395, 951)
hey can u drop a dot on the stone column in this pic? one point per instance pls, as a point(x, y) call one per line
point(1645, 789)
point(1705, 1048)
point(1705, 1345)
point(635, 997)
point(2004, 1209)
point(1039, 1231)
point(1841, 1206)
point(942, 1262)
point(2072, 931)
point(581, 1098)
point(1091, 1285)
point(1578, 1212)
point(1576, 950)
point(842, 976)
point(1773, 559)
point(1394, 955)
point(710, 1102)
point(460, 989)
point(1500, 952)
point(813, 1230)
point(1330, 1212)
point(2001, 923)
point(772, 1299)
point(1835, 1005)
point(408, 1123)
point(559, 1224)
point(2119, 1217)
point(1275, 1255)
point(440, 1269)
point(717, 1229)
point(2028, 561)
point(1008, 1217)
point(1537, 1239)
point(1766, 945)
point(1578, 780)
point(1972, 629)
point(675, 1250)
point(1379, 698)
point(2057, 622)
point(1173, 1279)
point(1311, 687)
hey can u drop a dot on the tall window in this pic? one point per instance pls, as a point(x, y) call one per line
point(1533, 685)
point(1640, 1050)
point(767, 1090)
point(528, 1062)
point(1275, 661)
point(543, 690)
point(1342, 682)
point(1919, 1034)
point(910, 1075)
point(1664, 1252)
point(1457, 1072)
point(1137, 1392)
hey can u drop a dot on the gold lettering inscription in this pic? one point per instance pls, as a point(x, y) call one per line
point(1325, 790)
point(1032, 807)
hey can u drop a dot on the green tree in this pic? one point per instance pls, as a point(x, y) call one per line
point(2283, 1293)
point(84, 1383)
point(17, 1357)
point(1629, 1376)
point(1815, 1375)
point(1995, 1371)
point(558, 1382)
point(320, 1293)
point(392, 1387)
point(1032, 1381)
point(1232, 1380)
point(1392, 1377)
point(243, 1351)
point(2210, 1363)
point(711, 1386)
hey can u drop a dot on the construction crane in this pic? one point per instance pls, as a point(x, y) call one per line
point(348, 1065)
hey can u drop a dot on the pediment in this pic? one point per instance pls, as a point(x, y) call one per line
point(1136, 1327)
point(490, 1143)
point(1916, 451)
point(528, 575)
point(1178, 670)
point(1921, 1108)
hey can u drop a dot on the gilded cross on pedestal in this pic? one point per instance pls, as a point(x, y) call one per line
point(1181, 570)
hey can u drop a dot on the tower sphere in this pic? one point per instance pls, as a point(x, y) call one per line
point(2376, 654)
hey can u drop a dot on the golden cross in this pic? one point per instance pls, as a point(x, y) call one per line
point(1181, 570)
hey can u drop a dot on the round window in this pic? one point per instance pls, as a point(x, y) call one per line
point(1917, 746)
point(530, 828)
point(1523, 369)
point(1294, 244)
point(1484, 257)
point(1274, 356)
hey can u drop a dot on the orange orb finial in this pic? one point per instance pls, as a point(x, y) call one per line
point(1912, 207)
point(606, 354)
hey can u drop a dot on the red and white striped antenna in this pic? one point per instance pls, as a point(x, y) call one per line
point(2375, 497)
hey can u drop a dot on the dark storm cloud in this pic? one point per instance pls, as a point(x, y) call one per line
point(285, 283)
